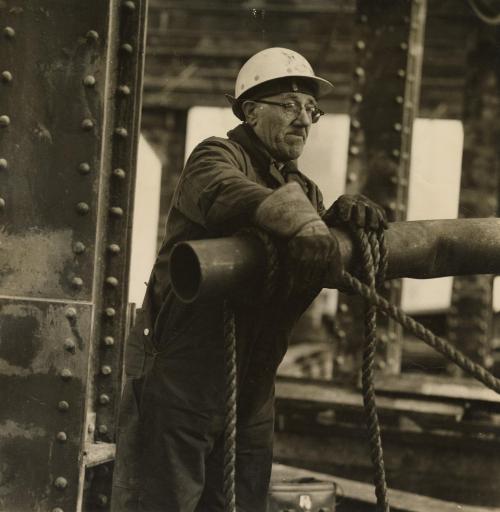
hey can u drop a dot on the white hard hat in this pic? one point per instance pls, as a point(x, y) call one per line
point(273, 63)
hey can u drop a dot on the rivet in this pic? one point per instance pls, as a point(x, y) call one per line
point(90, 428)
point(2, 203)
point(398, 127)
point(112, 281)
point(406, 19)
point(78, 247)
point(384, 339)
point(114, 248)
point(106, 370)
point(358, 98)
point(146, 332)
point(103, 429)
point(339, 360)
point(415, 25)
point(394, 180)
point(77, 282)
point(124, 90)
point(9, 32)
point(399, 99)
point(84, 168)
point(354, 150)
point(404, 46)
point(116, 211)
point(110, 312)
point(130, 6)
point(381, 364)
point(363, 18)
point(121, 132)
point(360, 45)
point(109, 341)
point(360, 72)
point(392, 206)
point(57, 509)
point(395, 153)
point(119, 173)
point(405, 155)
point(89, 81)
point(355, 124)
point(104, 399)
point(3, 164)
point(82, 208)
point(87, 124)
point(60, 483)
point(62, 437)
point(102, 500)
point(4, 121)
point(6, 76)
point(341, 334)
point(352, 177)
point(63, 405)
point(403, 182)
point(344, 308)
point(66, 374)
point(127, 48)
point(92, 35)
point(70, 313)
point(401, 73)
point(69, 345)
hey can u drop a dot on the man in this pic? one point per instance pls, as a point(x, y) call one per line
point(177, 384)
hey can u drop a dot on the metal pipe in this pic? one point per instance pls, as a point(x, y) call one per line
point(418, 249)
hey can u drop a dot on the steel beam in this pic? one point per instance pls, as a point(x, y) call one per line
point(418, 249)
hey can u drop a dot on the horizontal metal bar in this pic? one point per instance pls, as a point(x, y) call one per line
point(418, 249)
point(98, 453)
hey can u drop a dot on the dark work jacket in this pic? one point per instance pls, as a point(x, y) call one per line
point(222, 184)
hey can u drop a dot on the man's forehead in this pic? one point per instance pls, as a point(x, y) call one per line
point(297, 96)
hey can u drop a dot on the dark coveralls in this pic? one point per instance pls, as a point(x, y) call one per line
point(170, 444)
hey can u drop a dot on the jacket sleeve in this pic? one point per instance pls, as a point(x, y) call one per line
point(214, 190)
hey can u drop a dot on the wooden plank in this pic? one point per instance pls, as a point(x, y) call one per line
point(362, 492)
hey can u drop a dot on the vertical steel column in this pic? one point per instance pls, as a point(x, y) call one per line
point(386, 86)
point(470, 317)
point(57, 113)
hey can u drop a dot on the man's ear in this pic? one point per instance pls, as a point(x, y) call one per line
point(250, 110)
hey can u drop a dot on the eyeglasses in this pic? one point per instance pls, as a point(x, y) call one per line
point(293, 109)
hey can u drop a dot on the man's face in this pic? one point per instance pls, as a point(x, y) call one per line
point(283, 133)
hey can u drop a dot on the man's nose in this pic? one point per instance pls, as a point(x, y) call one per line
point(304, 119)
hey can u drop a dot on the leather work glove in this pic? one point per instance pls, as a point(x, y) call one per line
point(311, 251)
point(358, 211)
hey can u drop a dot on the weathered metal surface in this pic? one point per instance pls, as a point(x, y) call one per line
point(418, 249)
point(44, 349)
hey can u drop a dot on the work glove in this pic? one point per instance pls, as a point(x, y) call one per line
point(358, 211)
point(311, 251)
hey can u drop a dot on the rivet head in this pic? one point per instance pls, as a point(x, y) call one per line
point(66, 374)
point(344, 308)
point(84, 168)
point(394, 180)
point(112, 281)
point(104, 399)
point(91, 428)
point(82, 208)
point(79, 247)
point(114, 248)
point(359, 72)
point(355, 123)
point(395, 153)
point(110, 312)
point(87, 124)
point(358, 98)
point(89, 81)
point(62, 437)
point(399, 99)
point(3, 164)
point(70, 313)
point(146, 332)
point(360, 45)
point(121, 132)
point(119, 173)
point(60, 483)
point(9, 32)
point(4, 121)
point(63, 406)
point(401, 73)
point(124, 90)
point(2, 203)
point(354, 150)
point(102, 500)
point(77, 282)
point(7, 77)
point(398, 127)
point(57, 509)
point(106, 370)
point(103, 429)
point(352, 177)
point(92, 35)
point(127, 48)
point(69, 345)
point(129, 5)
point(404, 46)
point(116, 211)
point(109, 341)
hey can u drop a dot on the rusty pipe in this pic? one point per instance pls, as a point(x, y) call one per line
point(418, 249)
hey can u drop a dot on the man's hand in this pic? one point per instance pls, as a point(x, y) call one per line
point(312, 254)
point(358, 211)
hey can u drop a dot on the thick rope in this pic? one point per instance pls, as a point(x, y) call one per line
point(229, 487)
point(374, 262)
